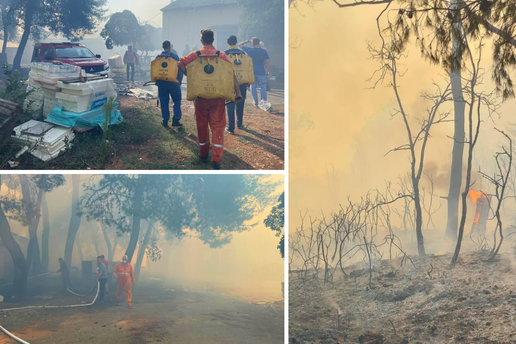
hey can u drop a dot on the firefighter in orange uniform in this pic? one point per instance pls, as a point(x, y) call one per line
point(123, 272)
point(210, 113)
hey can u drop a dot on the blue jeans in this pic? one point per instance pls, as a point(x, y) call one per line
point(261, 82)
point(166, 90)
point(239, 110)
point(131, 66)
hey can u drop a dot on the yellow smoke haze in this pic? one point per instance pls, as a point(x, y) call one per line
point(341, 129)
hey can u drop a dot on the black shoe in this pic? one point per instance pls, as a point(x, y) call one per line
point(204, 159)
point(240, 126)
point(164, 124)
point(230, 131)
point(215, 166)
point(175, 123)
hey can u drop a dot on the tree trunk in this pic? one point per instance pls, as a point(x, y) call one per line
point(78, 247)
point(6, 37)
point(75, 221)
point(141, 250)
point(135, 232)
point(33, 213)
point(30, 10)
point(45, 236)
point(20, 268)
point(6, 25)
point(113, 252)
point(95, 240)
point(108, 242)
point(419, 218)
point(458, 136)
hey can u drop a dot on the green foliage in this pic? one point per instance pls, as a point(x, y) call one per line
point(70, 18)
point(107, 134)
point(226, 205)
point(276, 221)
point(14, 86)
point(150, 39)
point(152, 250)
point(213, 206)
point(122, 29)
point(442, 33)
point(262, 19)
point(14, 206)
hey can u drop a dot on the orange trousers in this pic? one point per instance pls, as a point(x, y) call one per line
point(210, 114)
point(128, 295)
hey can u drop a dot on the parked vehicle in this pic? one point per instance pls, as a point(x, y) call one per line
point(71, 53)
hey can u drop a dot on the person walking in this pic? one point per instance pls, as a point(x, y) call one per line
point(187, 50)
point(167, 90)
point(101, 278)
point(210, 113)
point(262, 45)
point(172, 50)
point(65, 274)
point(124, 274)
point(262, 70)
point(130, 59)
point(233, 49)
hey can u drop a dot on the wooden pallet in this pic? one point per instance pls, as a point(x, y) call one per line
point(10, 113)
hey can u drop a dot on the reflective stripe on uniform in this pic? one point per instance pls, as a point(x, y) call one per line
point(216, 145)
point(202, 144)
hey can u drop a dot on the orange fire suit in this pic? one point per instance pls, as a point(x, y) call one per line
point(209, 113)
point(125, 277)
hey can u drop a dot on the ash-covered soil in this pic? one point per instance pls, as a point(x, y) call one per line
point(419, 303)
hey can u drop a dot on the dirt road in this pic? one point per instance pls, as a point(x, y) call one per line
point(160, 314)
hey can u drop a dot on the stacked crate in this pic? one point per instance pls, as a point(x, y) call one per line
point(43, 78)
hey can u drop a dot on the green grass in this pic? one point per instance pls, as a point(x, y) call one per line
point(140, 142)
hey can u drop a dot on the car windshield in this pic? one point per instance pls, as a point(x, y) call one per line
point(73, 53)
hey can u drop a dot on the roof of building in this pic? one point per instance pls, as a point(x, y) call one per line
point(178, 4)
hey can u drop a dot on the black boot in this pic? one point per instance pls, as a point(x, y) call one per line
point(176, 123)
point(215, 166)
point(164, 124)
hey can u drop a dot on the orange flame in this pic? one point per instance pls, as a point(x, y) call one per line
point(476, 195)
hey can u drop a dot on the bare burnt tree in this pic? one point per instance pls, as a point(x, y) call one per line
point(429, 208)
point(417, 138)
point(358, 231)
point(500, 180)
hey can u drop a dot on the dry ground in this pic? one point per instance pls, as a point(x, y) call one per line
point(140, 142)
point(428, 303)
point(160, 314)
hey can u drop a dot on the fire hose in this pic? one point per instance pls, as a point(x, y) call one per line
point(53, 307)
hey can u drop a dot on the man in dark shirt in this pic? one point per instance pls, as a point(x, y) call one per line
point(167, 90)
point(234, 50)
point(261, 68)
point(65, 274)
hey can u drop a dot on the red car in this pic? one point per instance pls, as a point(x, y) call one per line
point(71, 53)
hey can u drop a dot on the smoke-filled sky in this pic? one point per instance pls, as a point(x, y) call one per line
point(250, 266)
point(340, 129)
point(148, 11)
